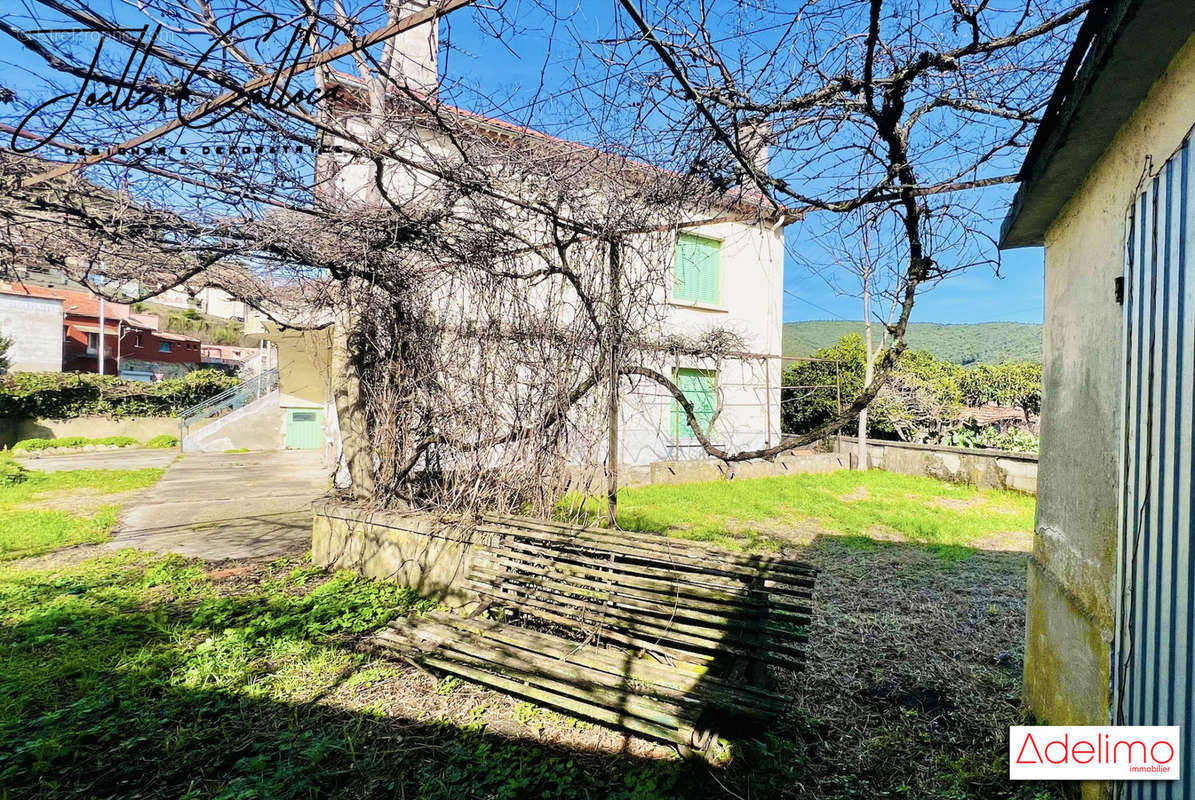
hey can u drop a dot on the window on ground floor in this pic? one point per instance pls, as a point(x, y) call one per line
point(164, 347)
point(700, 388)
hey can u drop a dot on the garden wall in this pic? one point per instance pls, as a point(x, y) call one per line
point(141, 428)
point(418, 550)
point(987, 469)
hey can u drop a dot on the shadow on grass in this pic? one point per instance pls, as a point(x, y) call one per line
point(127, 677)
point(130, 677)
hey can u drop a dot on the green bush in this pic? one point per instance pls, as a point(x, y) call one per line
point(972, 435)
point(74, 441)
point(922, 401)
point(163, 441)
point(64, 395)
point(12, 473)
point(50, 444)
point(117, 441)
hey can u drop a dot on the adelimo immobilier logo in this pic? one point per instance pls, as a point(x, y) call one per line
point(1093, 753)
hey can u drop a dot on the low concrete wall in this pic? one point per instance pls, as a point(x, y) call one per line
point(987, 469)
point(677, 472)
point(418, 550)
point(140, 428)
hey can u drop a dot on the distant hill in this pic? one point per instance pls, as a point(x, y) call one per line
point(976, 343)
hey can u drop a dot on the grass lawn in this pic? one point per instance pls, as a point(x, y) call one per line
point(153, 676)
point(30, 524)
point(765, 513)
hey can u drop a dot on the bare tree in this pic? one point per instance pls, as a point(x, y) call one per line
point(495, 290)
point(878, 105)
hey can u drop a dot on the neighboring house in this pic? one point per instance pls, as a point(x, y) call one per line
point(132, 344)
point(34, 324)
point(227, 355)
point(1108, 187)
point(215, 303)
point(727, 274)
point(1005, 418)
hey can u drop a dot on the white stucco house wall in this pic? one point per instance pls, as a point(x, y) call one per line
point(733, 280)
point(34, 324)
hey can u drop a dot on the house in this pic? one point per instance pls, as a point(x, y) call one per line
point(1108, 187)
point(725, 271)
point(227, 355)
point(133, 346)
point(34, 325)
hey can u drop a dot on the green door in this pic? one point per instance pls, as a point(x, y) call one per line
point(304, 428)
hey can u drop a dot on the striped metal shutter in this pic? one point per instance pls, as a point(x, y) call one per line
point(699, 388)
point(1153, 683)
point(697, 277)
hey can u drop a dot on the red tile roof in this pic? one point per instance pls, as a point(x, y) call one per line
point(83, 304)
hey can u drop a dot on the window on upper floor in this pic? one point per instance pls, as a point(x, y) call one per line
point(700, 387)
point(164, 347)
point(697, 269)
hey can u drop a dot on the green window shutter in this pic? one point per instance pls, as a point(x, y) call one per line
point(699, 388)
point(697, 277)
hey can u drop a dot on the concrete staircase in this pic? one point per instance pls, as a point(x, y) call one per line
point(255, 426)
point(248, 416)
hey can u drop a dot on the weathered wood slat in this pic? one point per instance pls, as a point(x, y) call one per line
point(550, 694)
point(680, 578)
point(616, 662)
point(670, 608)
point(656, 639)
point(614, 575)
point(657, 623)
point(708, 568)
point(679, 693)
point(696, 552)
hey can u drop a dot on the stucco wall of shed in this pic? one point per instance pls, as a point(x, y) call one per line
point(1073, 571)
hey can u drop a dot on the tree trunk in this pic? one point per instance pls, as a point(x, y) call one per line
point(614, 333)
point(867, 366)
point(346, 392)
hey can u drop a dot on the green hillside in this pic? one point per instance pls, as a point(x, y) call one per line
point(982, 342)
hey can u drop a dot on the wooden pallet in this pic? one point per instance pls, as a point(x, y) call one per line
point(667, 639)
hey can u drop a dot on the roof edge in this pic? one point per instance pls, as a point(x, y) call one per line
point(1122, 49)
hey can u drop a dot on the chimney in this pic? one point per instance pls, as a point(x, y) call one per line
point(753, 142)
point(412, 56)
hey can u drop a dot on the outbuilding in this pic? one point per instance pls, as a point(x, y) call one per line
point(1108, 187)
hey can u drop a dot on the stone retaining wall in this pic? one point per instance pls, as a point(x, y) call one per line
point(430, 555)
point(987, 469)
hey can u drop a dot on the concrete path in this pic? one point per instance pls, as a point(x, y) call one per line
point(228, 505)
point(124, 458)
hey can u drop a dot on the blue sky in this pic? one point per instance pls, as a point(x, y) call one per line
point(491, 75)
point(490, 70)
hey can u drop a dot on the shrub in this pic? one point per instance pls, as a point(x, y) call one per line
point(12, 473)
point(115, 441)
point(49, 444)
point(164, 441)
point(74, 441)
point(64, 395)
point(921, 400)
point(972, 435)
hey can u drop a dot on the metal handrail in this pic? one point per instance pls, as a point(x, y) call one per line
point(240, 395)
